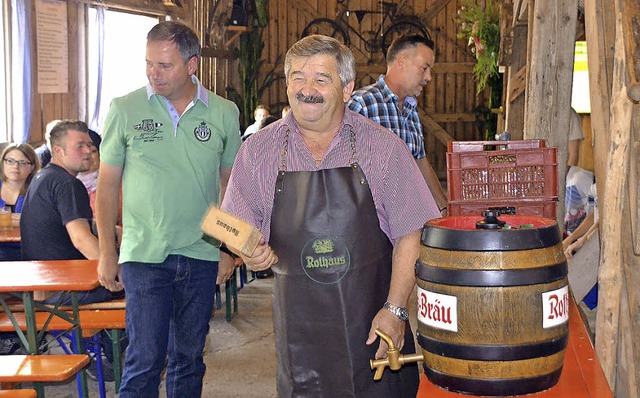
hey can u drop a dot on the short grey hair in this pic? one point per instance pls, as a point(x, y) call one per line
point(313, 45)
point(183, 36)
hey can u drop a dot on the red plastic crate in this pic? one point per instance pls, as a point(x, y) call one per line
point(522, 175)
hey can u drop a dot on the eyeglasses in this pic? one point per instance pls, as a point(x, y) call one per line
point(20, 163)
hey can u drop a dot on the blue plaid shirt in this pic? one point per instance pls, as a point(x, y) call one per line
point(379, 104)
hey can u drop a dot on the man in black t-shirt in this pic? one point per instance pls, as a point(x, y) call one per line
point(56, 217)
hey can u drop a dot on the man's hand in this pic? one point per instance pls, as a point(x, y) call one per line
point(108, 269)
point(226, 268)
point(389, 324)
point(263, 257)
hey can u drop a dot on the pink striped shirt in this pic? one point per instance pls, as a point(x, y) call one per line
point(401, 196)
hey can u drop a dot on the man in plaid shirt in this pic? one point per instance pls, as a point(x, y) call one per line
point(391, 101)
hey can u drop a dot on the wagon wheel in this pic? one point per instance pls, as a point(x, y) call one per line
point(401, 28)
point(327, 27)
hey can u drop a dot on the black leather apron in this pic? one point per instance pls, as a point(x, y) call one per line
point(331, 279)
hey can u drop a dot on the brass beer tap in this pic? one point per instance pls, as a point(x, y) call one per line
point(394, 359)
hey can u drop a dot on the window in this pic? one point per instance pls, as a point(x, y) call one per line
point(580, 100)
point(123, 59)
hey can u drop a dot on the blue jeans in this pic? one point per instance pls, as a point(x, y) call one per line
point(169, 306)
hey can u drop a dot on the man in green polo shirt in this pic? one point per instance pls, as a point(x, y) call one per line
point(172, 144)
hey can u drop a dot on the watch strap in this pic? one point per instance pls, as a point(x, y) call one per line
point(399, 312)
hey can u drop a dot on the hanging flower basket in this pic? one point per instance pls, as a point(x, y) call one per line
point(479, 22)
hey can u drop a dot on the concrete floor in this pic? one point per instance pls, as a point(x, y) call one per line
point(240, 355)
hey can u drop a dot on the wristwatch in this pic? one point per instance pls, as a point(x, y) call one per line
point(400, 312)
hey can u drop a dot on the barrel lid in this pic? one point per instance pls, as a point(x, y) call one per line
point(520, 233)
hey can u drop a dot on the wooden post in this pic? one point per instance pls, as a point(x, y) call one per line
point(628, 362)
point(600, 35)
point(610, 276)
point(634, 181)
point(552, 28)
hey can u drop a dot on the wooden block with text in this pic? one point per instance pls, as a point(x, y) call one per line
point(238, 235)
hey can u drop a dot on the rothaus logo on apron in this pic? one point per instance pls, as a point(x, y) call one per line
point(325, 260)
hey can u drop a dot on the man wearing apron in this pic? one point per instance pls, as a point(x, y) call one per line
point(341, 203)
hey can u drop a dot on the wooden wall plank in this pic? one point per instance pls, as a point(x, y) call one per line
point(514, 103)
point(551, 72)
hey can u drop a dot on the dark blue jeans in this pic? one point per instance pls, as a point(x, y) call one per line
point(169, 306)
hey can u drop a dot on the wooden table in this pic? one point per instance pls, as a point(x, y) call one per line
point(10, 235)
point(23, 278)
point(582, 376)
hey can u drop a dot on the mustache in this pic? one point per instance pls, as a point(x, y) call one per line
point(311, 99)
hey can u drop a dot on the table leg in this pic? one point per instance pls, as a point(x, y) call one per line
point(32, 328)
point(32, 331)
point(84, 390)
point(116, 340)
point(19, 332)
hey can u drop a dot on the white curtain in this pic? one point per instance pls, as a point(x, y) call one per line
point(95, 119)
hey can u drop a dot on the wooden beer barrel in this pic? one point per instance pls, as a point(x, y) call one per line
point(492, 305)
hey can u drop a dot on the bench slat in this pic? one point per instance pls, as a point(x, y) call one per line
point(24, 393)
point(118, 304)
point(89, 319)
point(40, 368)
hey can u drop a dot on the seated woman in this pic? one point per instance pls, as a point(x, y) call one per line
point(19, 165)
point(90, 177)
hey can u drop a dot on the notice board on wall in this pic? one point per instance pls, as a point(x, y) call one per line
point(52, 46)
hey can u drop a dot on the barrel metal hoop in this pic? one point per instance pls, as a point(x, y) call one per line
point(493, 387)
point(491, 240)
point(477, 352)
point(491, 278)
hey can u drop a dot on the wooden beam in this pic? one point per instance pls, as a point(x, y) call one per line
point(237, 31)
point(520, 12)
point(435, 10)
point(517, 83)
point(432, 127)
point(453, 117)
point(154, 7)
point(631, 31)
point(610, 273)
